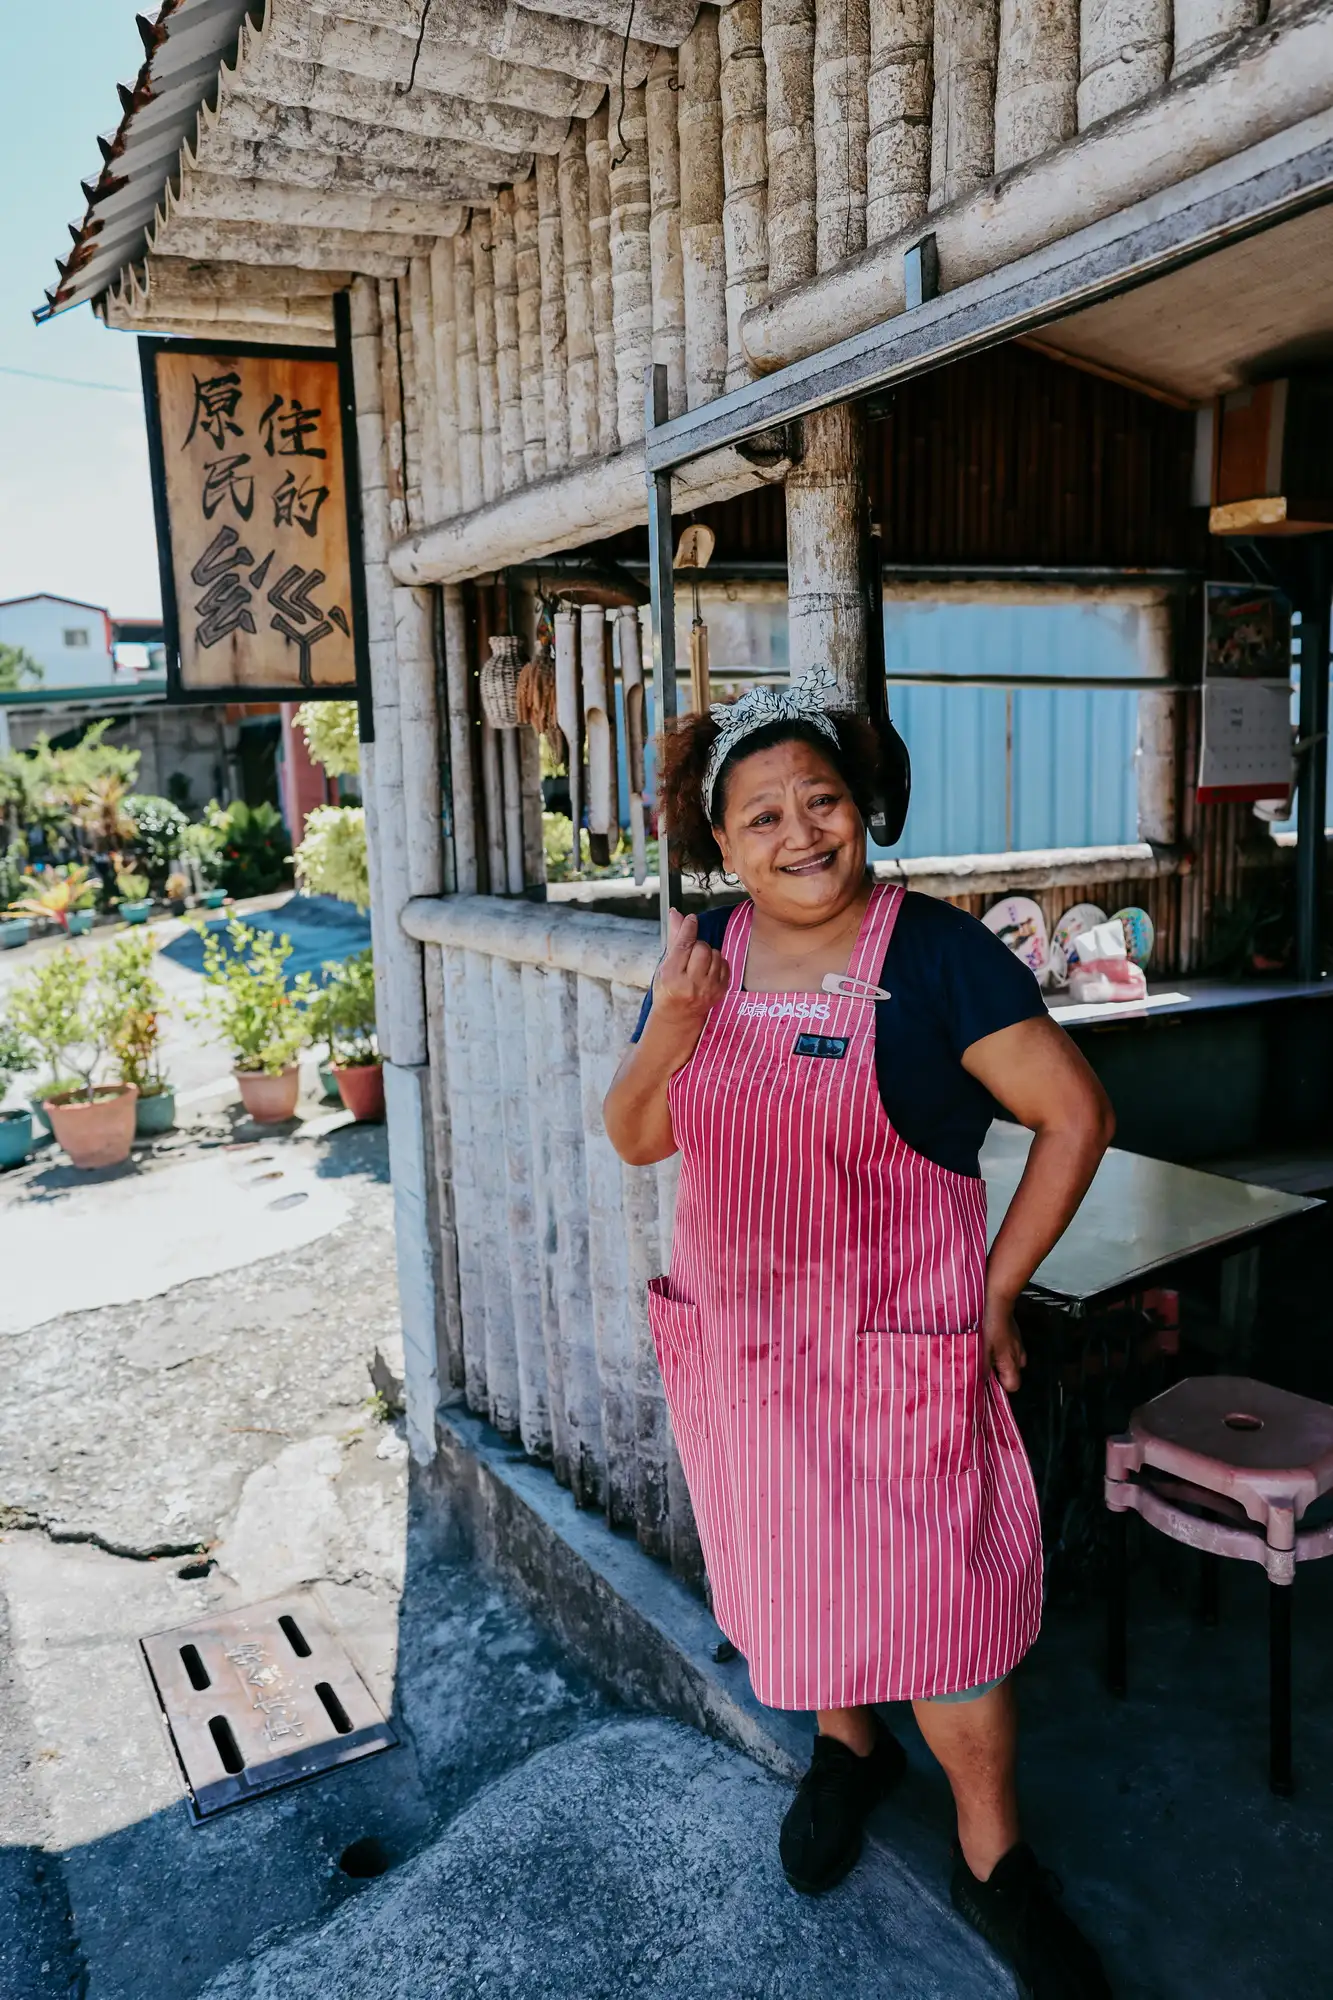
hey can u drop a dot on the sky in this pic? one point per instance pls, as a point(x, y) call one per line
point(75, 507)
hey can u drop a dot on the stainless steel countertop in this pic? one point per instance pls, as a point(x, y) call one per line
point(1138, 1216)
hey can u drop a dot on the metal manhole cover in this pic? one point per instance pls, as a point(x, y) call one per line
point(258, 1699)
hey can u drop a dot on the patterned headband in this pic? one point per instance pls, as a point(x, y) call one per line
point(801, 702)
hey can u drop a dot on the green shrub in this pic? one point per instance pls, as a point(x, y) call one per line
point(331, 735)
point(254, 856)
point(264, 1024)
point(159, 828)
point(341, 1012)
point(331, 860)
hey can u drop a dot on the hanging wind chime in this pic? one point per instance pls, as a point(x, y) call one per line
point(693, 552)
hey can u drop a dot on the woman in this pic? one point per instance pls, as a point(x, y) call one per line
point(834, 1342)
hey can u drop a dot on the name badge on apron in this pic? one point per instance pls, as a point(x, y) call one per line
point(834, 1046)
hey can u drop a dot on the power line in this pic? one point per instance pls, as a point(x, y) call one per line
point(71, 381)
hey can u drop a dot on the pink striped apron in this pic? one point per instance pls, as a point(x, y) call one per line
point(864, 1501)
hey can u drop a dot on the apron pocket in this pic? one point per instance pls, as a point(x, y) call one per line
point(915, 1404)
point(678, 1339)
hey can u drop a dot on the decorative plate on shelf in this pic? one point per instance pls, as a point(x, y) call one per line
point(1139, 932)
point(1083, 917)
point(1018, 922)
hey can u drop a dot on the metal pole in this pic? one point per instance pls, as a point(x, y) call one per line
point(1312, 793)
point(662, 584)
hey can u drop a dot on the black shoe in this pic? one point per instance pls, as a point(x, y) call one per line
point(1018, 1913)
point(821, 1834)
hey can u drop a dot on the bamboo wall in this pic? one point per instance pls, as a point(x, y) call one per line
point(545, 1326)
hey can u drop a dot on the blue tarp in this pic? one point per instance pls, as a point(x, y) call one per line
point(320, 928)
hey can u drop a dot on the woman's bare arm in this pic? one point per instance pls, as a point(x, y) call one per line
point(690, 981)
point(1036, 1073)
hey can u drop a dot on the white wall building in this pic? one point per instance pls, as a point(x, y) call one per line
point(71, 642)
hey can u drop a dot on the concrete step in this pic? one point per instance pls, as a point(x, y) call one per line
point(635, 1857)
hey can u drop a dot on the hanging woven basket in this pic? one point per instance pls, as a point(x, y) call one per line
point(499, 682)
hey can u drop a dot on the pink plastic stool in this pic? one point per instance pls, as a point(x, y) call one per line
point(1227, 1466)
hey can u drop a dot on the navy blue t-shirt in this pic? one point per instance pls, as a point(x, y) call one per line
point(951, 982)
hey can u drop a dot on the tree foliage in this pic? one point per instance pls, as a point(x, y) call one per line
point(332, 860)
point(331, 735)
point(18, 669)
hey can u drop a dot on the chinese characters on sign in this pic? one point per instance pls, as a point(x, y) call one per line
point(252, 480)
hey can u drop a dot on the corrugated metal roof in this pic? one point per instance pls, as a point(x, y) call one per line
point(184, 48)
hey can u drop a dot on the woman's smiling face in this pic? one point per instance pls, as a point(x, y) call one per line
point(792, 833)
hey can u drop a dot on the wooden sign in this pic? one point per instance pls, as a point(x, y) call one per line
point(257, 520)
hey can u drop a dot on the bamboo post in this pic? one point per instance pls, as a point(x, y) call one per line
point(519, 1218)
point(427, 401)
point(568, 715)
point(419, 724)
point(652, 1431)
point(667, 266)
point(469, 395)
point(402, 1023)
point(629, 644)
point(554, 382)
point(449, 1305)
point(608, 1263)
point(1124, 54)
point(513, 810)
point(391, 404)
point(631, 256)
point(744, 171)
point(463, 802)
point(534, 979)
point(1036, 79)
point(488, 1167)
point(528, 272)
point(508, 371)
point(842, 128)
point(899, 94)
point(703, 250)
point(599, 728)
point(408, 374)
point(789, 68)
point(446, 374)
point(599, 255)
point(580, 342)
point(563, 1096)
point(1203, 27)
point(493, 811)
point(483, 280)
point(962, 129)
point(826, 499)
point(465, 1078)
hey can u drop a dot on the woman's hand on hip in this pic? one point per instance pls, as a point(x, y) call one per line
point(692, 977)
point(1005, 1353)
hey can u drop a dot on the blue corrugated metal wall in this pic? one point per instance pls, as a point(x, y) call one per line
point(1071, 780)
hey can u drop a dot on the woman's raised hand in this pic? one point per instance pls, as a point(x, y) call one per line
point(692, 977)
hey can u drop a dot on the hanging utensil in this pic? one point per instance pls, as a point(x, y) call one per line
point(629, 637)
point(599, 724)
point(567, 715)
point(693, 552)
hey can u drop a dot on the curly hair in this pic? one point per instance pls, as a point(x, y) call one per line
point(682, 759)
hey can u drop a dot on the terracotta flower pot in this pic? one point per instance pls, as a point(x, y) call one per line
point(269, 1099)
point(96, 1134)
point(361, 1087)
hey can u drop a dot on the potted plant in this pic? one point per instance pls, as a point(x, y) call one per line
point(177, 889)
point(71, 1006)
point(357, 1063)
point(319, 1016)
point(44, 1009)
point(136, 1043)
point(63, 896)
point(136, 905)
point(247, 998)
point(16, 1054)
point(201, 851)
